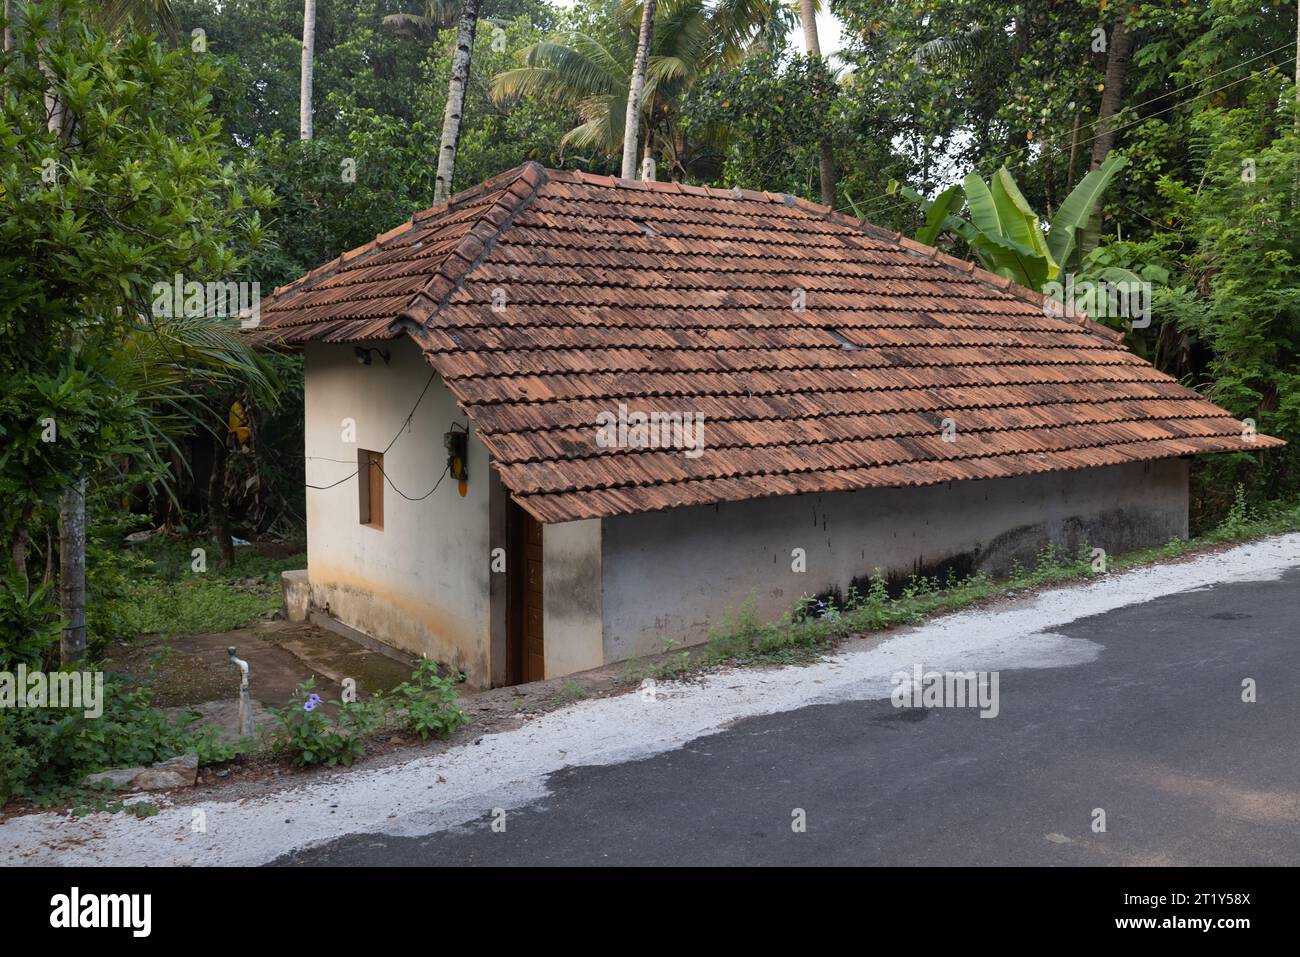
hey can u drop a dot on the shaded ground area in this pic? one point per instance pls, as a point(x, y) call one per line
point(195, 670)
point(1154, 733)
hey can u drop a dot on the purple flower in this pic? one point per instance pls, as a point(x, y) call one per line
point(314, 698)
point(309, 705)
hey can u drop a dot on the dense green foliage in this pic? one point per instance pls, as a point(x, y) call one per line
point(46, 752)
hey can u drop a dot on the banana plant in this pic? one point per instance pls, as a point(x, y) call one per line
point(1005, 232)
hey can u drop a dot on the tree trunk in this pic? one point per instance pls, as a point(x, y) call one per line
point(9, 32)
point(825, 154)
point(1112, 97)
point(218, 513)
point(308, 65)
point(632, 122)
point(808, 17)
point(1074, 156)
point(22, 537)
point(460, 63)
point(72, 572)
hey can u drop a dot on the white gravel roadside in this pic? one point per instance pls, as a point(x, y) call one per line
point(509, 769)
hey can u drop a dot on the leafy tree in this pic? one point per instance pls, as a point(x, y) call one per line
point(587, 67)
point(760, 124)
point(132, 187)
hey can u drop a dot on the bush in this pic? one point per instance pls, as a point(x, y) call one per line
point(426, 704)
point(315, 731)
point(29, 624)
point(46, 752)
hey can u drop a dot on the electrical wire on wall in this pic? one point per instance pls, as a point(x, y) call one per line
point(405, 423)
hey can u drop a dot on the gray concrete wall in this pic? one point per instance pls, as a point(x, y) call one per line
point(673, 574)
point(572, 603)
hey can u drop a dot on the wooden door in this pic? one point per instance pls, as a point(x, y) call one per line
point(527, 651)
point(534, 653)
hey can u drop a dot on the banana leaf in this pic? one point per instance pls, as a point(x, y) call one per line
point(937, 212)
point(1019, 221)
point(1079, 206)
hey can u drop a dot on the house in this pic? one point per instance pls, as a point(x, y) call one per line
point(563, 418)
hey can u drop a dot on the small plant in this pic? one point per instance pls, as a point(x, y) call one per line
point(570, 692)
point(426, 703)
point(312, 736)
point(1239, 518)
point(29, 624)
point(676, 664)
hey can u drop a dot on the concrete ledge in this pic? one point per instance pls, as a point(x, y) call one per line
point(297, 594)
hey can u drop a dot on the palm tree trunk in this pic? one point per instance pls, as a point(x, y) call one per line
point(632, 122)
point(9, 16)
point(460, 63)
point(1074, 156)
point(72, 572)
point(1112, 97)
point(825, 154)
point(808, 17)
point(308, 66)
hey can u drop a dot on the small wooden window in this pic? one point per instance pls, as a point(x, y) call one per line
point(370, 487)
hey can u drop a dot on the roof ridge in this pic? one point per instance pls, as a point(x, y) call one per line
point(418, 217)
point(825, 212)
point(525, 183)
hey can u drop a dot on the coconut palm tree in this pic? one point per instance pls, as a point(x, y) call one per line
point(591, 72)
point(438, 14)
point(456, 86)
point(826, 154)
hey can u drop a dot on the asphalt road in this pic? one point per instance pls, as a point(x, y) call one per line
point(1154, 733)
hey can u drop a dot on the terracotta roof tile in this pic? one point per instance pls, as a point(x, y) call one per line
point(823, 353)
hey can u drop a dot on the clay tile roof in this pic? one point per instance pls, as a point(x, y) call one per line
point(545, 298)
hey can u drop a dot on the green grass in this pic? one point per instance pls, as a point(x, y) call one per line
point(174, 599)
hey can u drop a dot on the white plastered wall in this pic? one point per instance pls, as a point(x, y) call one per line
point(421, 583)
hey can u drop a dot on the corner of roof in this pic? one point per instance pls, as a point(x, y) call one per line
point(519, 187)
